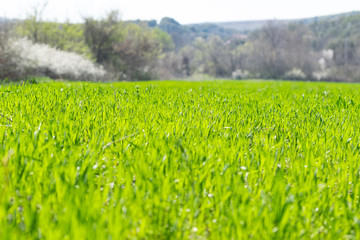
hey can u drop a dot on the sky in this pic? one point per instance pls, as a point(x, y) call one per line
point(184, 11)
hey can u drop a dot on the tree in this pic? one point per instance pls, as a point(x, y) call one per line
point(32, 26)
point(277, 49)
point(138, 53)
point(131, 51)
point(100, 36)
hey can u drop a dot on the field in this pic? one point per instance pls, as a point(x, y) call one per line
point(180, 160)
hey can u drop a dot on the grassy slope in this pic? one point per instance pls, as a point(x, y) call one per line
point(180, 160)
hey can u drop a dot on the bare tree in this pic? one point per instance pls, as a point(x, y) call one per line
point(33, 23)
point(277, 49)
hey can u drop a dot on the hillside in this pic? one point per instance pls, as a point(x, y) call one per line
point(185, 34)
point(248, 26)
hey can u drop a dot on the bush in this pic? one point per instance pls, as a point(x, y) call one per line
point(295, 74)
point(240, 74)
point(10, 68)
point(44, 60)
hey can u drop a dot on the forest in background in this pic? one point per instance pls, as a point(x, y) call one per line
point(318, 49)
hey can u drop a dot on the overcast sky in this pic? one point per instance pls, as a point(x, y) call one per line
point(184, 11)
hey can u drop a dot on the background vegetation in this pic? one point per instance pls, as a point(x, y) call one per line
point(326, 48)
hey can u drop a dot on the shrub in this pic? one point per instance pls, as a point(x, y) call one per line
point(44, 60)
point(9, 60)
point(295, 74)
point(9, 67)
point(321, 75)
point(240, 74)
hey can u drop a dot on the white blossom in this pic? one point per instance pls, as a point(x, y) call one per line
point(44, 58)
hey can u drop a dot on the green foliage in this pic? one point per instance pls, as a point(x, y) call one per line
point(100, 36)
point(326, 32)
point(180, 160)
point(138, 52)
point(130, 50)
point(325, 48)
point(181, 35)
point(64, 36)
point(163, 40)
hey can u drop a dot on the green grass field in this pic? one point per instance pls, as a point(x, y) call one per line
point(180, 160)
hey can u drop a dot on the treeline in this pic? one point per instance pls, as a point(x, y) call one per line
point(327, 49)
point(111, 49)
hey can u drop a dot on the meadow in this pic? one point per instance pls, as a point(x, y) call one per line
point(180, 160)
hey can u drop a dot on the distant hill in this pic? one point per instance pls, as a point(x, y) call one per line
point(185, 34)
point(249, 26)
